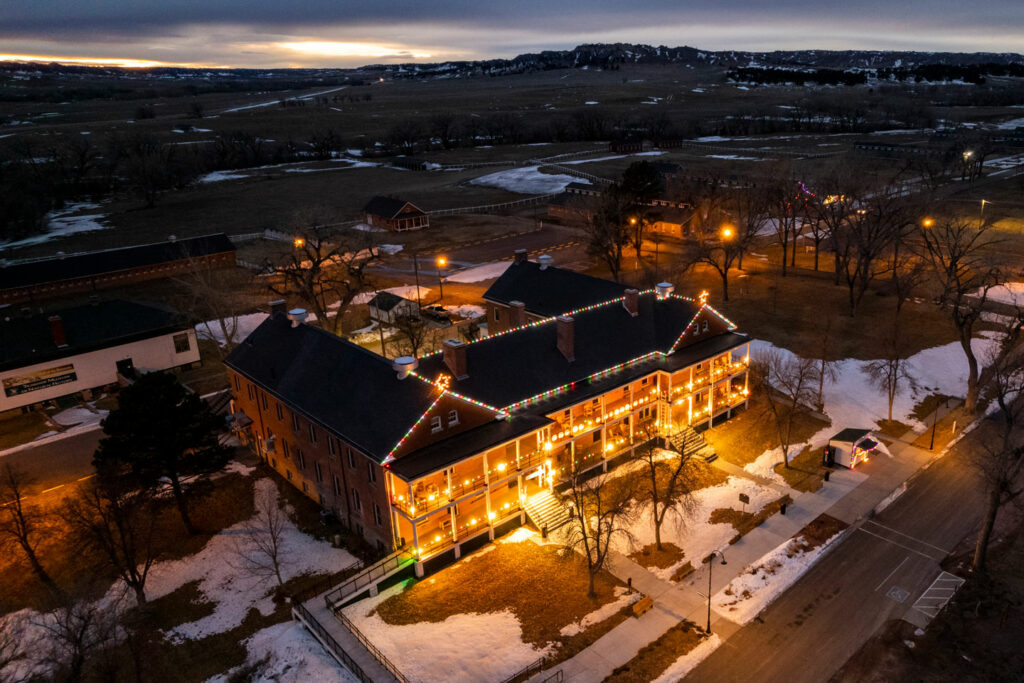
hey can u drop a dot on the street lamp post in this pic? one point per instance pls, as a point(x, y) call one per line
point(441, 263)
point(416, 271)
point(935, 419)
point(981, 214)
point(711, 563)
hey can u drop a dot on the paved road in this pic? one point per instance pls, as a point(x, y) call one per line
point(810, 631)
point(56, 463)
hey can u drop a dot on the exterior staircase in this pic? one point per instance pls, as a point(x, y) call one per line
point(546, 511)
point(689, 443)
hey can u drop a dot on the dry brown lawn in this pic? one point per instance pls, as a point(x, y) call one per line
point(18, 428)
point(652, 660)
point(805, 472)
point(545, 591)
point(747, 435)
point(745, 522)
point(650, 556)
point(819, 530)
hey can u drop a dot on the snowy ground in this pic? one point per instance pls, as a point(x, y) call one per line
point(852, 401)
point(64, 222)
point(405, 291)
point(765, 579)
point(294, 655)
point(488, 271)
point(468, 311)
point(231, 588)
point(244, 325)
point(76, 420)
point(692, 532)
point(462, 648)
point(527, 180)
point(1011, 293)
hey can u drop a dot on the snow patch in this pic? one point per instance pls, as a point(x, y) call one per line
point(480, 273)
point(688, 662)
point(62, 223)
point(527, 180)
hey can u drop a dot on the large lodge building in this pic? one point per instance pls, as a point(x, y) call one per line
point(442, 453)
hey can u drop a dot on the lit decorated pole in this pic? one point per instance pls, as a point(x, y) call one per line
point(441, 263)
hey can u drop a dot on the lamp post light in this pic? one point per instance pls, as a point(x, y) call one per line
point(441, 263)
point(299, 242)
point(416, 272)
point(928, 222)
point(711, 563)
point(981, 214)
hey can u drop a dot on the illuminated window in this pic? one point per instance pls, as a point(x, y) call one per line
point(435, 424)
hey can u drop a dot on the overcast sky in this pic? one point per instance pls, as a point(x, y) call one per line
point(274, 33)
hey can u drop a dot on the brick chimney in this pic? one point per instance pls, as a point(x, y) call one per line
point(60, 338)
point(516, 314)
point(455, 358)
point(566, 337)
point(520, 257)
point(631, 302)
point(278, 306)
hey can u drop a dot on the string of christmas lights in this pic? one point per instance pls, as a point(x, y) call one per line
point(391, 453)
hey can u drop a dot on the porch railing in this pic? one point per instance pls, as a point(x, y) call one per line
point(377, 654)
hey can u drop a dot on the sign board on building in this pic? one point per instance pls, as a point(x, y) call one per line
point(39, 379)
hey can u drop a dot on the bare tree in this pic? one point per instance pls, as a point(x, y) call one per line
point(785, 206)
point(719, 248)
point(787, 383)
point(117, 519)
point(666, 485)
point(602, 508)
point(889, 373)
point(827, 363)
point(21, 523)
point(1000, 459)
point(324, 271)
point(606, 230)
point(14, 652)
point(962, 260)
point(262, 548)
point(410, 336)
point(76, 632)
point(215, 296)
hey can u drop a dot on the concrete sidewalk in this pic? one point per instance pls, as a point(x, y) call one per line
point(849, 495)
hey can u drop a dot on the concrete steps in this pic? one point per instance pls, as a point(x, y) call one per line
point(689, 443)
point(546, 511)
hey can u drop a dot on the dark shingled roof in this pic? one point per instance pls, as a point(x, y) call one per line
point(29, 340)
point(348, 389)
point(388, 207)
point(551, 291)
point(385, 301)
point(508, 368)
point(850, 435)
point(76, 266)
point(442, 454)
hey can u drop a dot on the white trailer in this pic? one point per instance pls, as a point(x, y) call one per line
point(851, 446)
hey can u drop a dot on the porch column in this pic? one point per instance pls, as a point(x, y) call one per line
point(487, 500)
point(451, 511)
point(416, 547)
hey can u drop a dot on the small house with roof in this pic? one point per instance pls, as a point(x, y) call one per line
point(395, 214)
point(387, 308)
point(48, 355)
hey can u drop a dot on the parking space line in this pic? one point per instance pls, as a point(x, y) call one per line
point(912, 538)
point(889, 540)
point(893, 572)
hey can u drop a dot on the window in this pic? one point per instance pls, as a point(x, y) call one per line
point(319, 472)
point(377, 517)
point(496, 316)
point(305, 487)
point(263, 400)
point(295, 421)
point(323, 502)
point(280, 413)
point(284, 448)
point(355, 500)
point(181, 344)
point(337, 485)
point(435, 424)
point(312, 433)
point(705, 326)
point(288, 473)
point(597, 436)
point(351, 459)
point(644, 381)
point(332, 446)
point(453, 418)
point(301, 457)
point(248, 388)
point(371, 470)
point(273, 462)
point(237, 385)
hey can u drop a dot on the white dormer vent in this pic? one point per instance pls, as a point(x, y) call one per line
point(664, 289)
point(544, 260)
point(297, 316)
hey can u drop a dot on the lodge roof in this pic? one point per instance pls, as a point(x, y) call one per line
point(550, 291)
point(389, 207)
point(28, 339)
point(74, 266)
point(349, 390)
point(508, 368)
